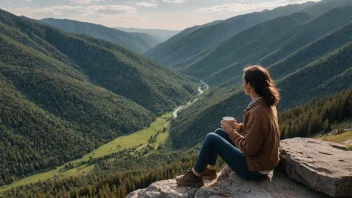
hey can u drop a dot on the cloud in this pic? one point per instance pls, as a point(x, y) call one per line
point(148, 5)
point(85, 1)
point(173, 1)
point(28, 1)
point(113, 9)
point(75, 11)
point(247, 6)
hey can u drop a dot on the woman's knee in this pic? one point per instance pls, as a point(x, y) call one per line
point(211, 136)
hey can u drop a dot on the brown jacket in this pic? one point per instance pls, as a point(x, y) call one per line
point(259, 136)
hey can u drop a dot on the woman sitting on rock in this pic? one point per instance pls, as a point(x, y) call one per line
point(251, 148)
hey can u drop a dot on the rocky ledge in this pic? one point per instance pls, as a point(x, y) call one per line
point(308, 168)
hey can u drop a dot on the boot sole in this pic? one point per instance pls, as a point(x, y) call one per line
point(200, 184)
point(209, 177)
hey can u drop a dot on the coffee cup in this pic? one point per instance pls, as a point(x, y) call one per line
point(229, 120)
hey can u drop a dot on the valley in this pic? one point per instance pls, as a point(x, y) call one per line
point(134, 142)
point(82, 166)
point(92, 111)
point(71, 104)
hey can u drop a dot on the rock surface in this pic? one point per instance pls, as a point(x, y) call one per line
point(320, 165)
point(277, 185)
point(317, 165)
point(166, 188)
point(229, 185)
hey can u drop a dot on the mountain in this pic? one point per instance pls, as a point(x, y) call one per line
point(63, 94)
point(161, 35)
point(149, 39)
point(308, 61)
point(138, 43)
point(195, 40)
point(264, 44)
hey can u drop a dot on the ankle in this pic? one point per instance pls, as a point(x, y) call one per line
point(211, 168)
point(195, 173)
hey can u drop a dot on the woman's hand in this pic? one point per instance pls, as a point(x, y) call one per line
point(226, 127)
point(237, 126)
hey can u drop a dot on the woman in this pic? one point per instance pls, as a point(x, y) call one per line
point(250, 149)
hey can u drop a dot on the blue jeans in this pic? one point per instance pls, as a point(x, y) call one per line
point(220, 143)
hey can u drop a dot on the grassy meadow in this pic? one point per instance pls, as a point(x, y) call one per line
point(132, 140)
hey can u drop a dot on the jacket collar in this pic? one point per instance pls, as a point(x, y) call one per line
point(260, 101)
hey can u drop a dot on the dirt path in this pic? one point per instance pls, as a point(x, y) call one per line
point(139, 148)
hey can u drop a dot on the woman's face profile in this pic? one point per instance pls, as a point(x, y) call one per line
point(245, 86)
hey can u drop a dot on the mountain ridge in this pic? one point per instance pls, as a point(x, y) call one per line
point(134, 42)
point(160, 34)
point(270, 49)
point(196, 39)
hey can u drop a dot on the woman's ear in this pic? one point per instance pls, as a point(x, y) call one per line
point(248, 85)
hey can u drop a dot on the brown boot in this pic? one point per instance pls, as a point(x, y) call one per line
point(209, 174)
point(189, 179)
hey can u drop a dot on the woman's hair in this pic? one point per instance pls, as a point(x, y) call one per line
point(259, 78)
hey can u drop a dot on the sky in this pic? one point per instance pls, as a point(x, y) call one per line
point(144, 14)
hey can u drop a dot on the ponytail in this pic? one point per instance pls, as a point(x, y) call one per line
point(271, 96)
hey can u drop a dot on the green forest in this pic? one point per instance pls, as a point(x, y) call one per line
point(114, 178)
point(316, 116)
point(63, 95)
point(128, 172)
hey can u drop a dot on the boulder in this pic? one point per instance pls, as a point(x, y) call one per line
point(165, 188)
point(323, 166)
point(277, 185)
point(308, 168)
point(229, 185)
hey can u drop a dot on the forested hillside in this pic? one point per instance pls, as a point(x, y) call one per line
point(270, 43)
point(114, 182)
point(316, 116)
point(196, 40)
point(135, 42)
point(62, 95)
point(104, 64)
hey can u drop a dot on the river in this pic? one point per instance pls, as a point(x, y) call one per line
point(200, 92)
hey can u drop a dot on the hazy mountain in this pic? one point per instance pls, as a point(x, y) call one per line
point(135, 42)
point(149, 39)
point(161, 35)
point(64, 94)
point(265, 44)
point(193, 41)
